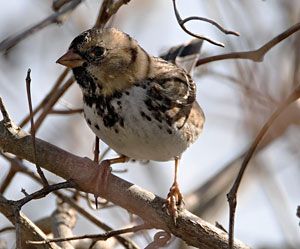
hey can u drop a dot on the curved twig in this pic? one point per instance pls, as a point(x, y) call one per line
point(232, 195)
point(182, 23)
point(254, 55)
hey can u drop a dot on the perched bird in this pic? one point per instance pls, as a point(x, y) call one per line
point(143, 107)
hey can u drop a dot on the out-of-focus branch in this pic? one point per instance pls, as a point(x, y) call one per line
point(17, 166)
point(107, 10)
point(86, 174)
point(95, 237)
point(56, 17)
point(66, 112)
point(64, 219)
point(29, 230)
point(48, 97)
point(7, 180)
point(232, 195)
point(254, 55)
point(57, 4)
point(32, 128)
point(55, 97)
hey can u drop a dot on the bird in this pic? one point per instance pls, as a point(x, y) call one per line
point(142, 106)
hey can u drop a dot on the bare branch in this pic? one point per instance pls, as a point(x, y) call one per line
point(7, 180)
point(47, 98)
point(182, 23)
point(107, 10)
point(32, 128)
point(57, 4)
point(232, 195)
point(95, 237)
point(6, 118)
point(57, 17)
point(86, 174)
point(6, 229)
point(254, 55)
point(29, 230)
point(64, 219)
point(55, 97)
point(66, 112)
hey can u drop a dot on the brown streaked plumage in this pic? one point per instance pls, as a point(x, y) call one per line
point(142, 106)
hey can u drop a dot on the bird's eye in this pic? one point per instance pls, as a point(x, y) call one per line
point(97, 52)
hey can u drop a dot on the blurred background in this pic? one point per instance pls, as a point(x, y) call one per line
point(237, 97)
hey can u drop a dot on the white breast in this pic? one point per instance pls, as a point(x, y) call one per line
point(142, 137)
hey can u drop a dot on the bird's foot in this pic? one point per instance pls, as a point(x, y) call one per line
point(174, 202)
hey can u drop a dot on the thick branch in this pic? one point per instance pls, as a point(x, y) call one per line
point(29, 230)
point(85, 173)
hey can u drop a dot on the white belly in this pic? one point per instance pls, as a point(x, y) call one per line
point(140, 138)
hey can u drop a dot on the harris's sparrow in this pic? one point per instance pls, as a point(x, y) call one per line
point(142, 106)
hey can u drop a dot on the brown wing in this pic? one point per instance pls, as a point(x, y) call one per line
point(173, 85)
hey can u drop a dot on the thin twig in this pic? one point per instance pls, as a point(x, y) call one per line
point(32, 128)
point(18, 166)
point(47, 98)
point(107, 10)
point(254, 55)
point(57, 94)
point(104, 153)
point(7, 229)
point(57, 4)
point(44, 191)
point(66, 112)
point(6, 118)
point(232, 195)
point(96, 150)
point(102, 16)
point(103, 236)
point(182, 23)
point(96, 160)
point(56, 17)
point(7, 180)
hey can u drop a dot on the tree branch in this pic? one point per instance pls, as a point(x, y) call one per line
point(86, 174)
point(29, 230)
point(254, 55)
point(182, 23)
point(56, 17)
point(232, 195)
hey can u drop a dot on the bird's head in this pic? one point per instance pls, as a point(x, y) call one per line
point(107, 56)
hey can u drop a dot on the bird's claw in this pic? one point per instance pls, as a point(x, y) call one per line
point(174, 202)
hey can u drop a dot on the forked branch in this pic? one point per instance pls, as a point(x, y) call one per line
point(182, 23)
point(85, 174)
point(254, 55)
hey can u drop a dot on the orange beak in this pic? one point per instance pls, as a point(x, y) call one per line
point(71, 59)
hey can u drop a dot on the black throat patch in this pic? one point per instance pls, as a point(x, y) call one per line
point(105, 109)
